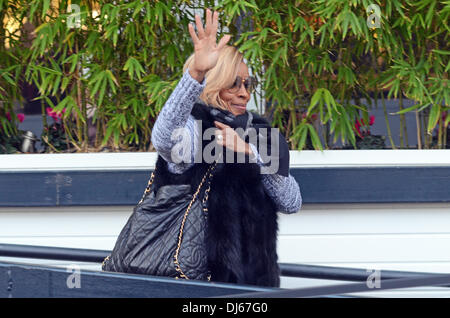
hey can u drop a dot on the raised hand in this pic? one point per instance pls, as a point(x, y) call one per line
point(206, 49)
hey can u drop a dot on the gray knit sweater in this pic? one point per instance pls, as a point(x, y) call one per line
point(175, 119)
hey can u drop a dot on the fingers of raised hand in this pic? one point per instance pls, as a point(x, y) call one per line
point(223, 41)
point(208, 24)
point(210, 29)
point(212, 23)
point(200, 30)
point(215, 23)
point(192, 33)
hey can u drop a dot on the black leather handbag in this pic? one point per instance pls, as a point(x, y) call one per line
point(165, 234)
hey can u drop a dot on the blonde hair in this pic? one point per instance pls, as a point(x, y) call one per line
point(220, 76)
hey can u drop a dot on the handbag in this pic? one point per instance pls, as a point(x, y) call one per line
point(165, 235)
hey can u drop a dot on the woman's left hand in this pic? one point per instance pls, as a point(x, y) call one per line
point(230, 139)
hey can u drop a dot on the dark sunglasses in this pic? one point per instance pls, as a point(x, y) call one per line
point(249, 84)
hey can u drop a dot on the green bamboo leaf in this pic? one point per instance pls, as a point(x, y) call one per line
point(159, 14)
point(323, 32)
point(98, 80)
point(333, 125)
point(112, 80)
point(317, 144)
point(108, 133)
point(356, 27)
point(8, 79)
point(48, 70)
point(431, 12)
point(442, 52)
point(357, 107)
point(277, 55)
point(138, 9)
point(395, 86)
point(345, 23)
point(102, 90)
point(406, 110)
point(65, 82)
point(123, 122)
point(435, 113)
point(56, 85)
point(5, 126)
point(129, 66)
point(116, 137)
point(115, 38)
point(49, 101)
point(62, 104)
point(43, 86)
point(73, 59)
point(330, 101)
point(315, 99)
point(45, 8)
point(245, 5)
point(303, 133)
point(33, 8)
point(447, 120)
point(347, 129)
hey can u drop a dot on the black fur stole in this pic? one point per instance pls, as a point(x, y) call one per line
point(242, 219)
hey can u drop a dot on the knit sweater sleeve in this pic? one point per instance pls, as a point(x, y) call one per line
point(285, 191)
point(175, 125)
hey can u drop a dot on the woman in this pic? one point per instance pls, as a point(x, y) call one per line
point(242, 202)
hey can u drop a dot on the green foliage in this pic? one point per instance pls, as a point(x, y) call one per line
point(54, 138)
point(313, 57)
point(319, 55)
point(10, 144)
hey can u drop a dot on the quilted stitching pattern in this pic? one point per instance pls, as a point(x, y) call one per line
point(147, 243)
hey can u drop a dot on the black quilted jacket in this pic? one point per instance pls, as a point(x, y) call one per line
point(242, 219)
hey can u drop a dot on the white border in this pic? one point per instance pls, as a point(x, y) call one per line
point(78, 161)
point(298, 159)
point(369, 158)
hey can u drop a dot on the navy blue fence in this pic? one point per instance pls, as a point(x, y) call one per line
point(318, 185)
point(22, 280)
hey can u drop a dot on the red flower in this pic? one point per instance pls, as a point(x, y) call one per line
point(357, 126)
point(360, 124)
point(21, 117)
point(53, 114)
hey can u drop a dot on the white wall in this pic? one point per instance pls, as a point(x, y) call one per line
point(411, 237)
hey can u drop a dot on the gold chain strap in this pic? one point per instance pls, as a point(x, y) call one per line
point(180, 236)
point(147, 189)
